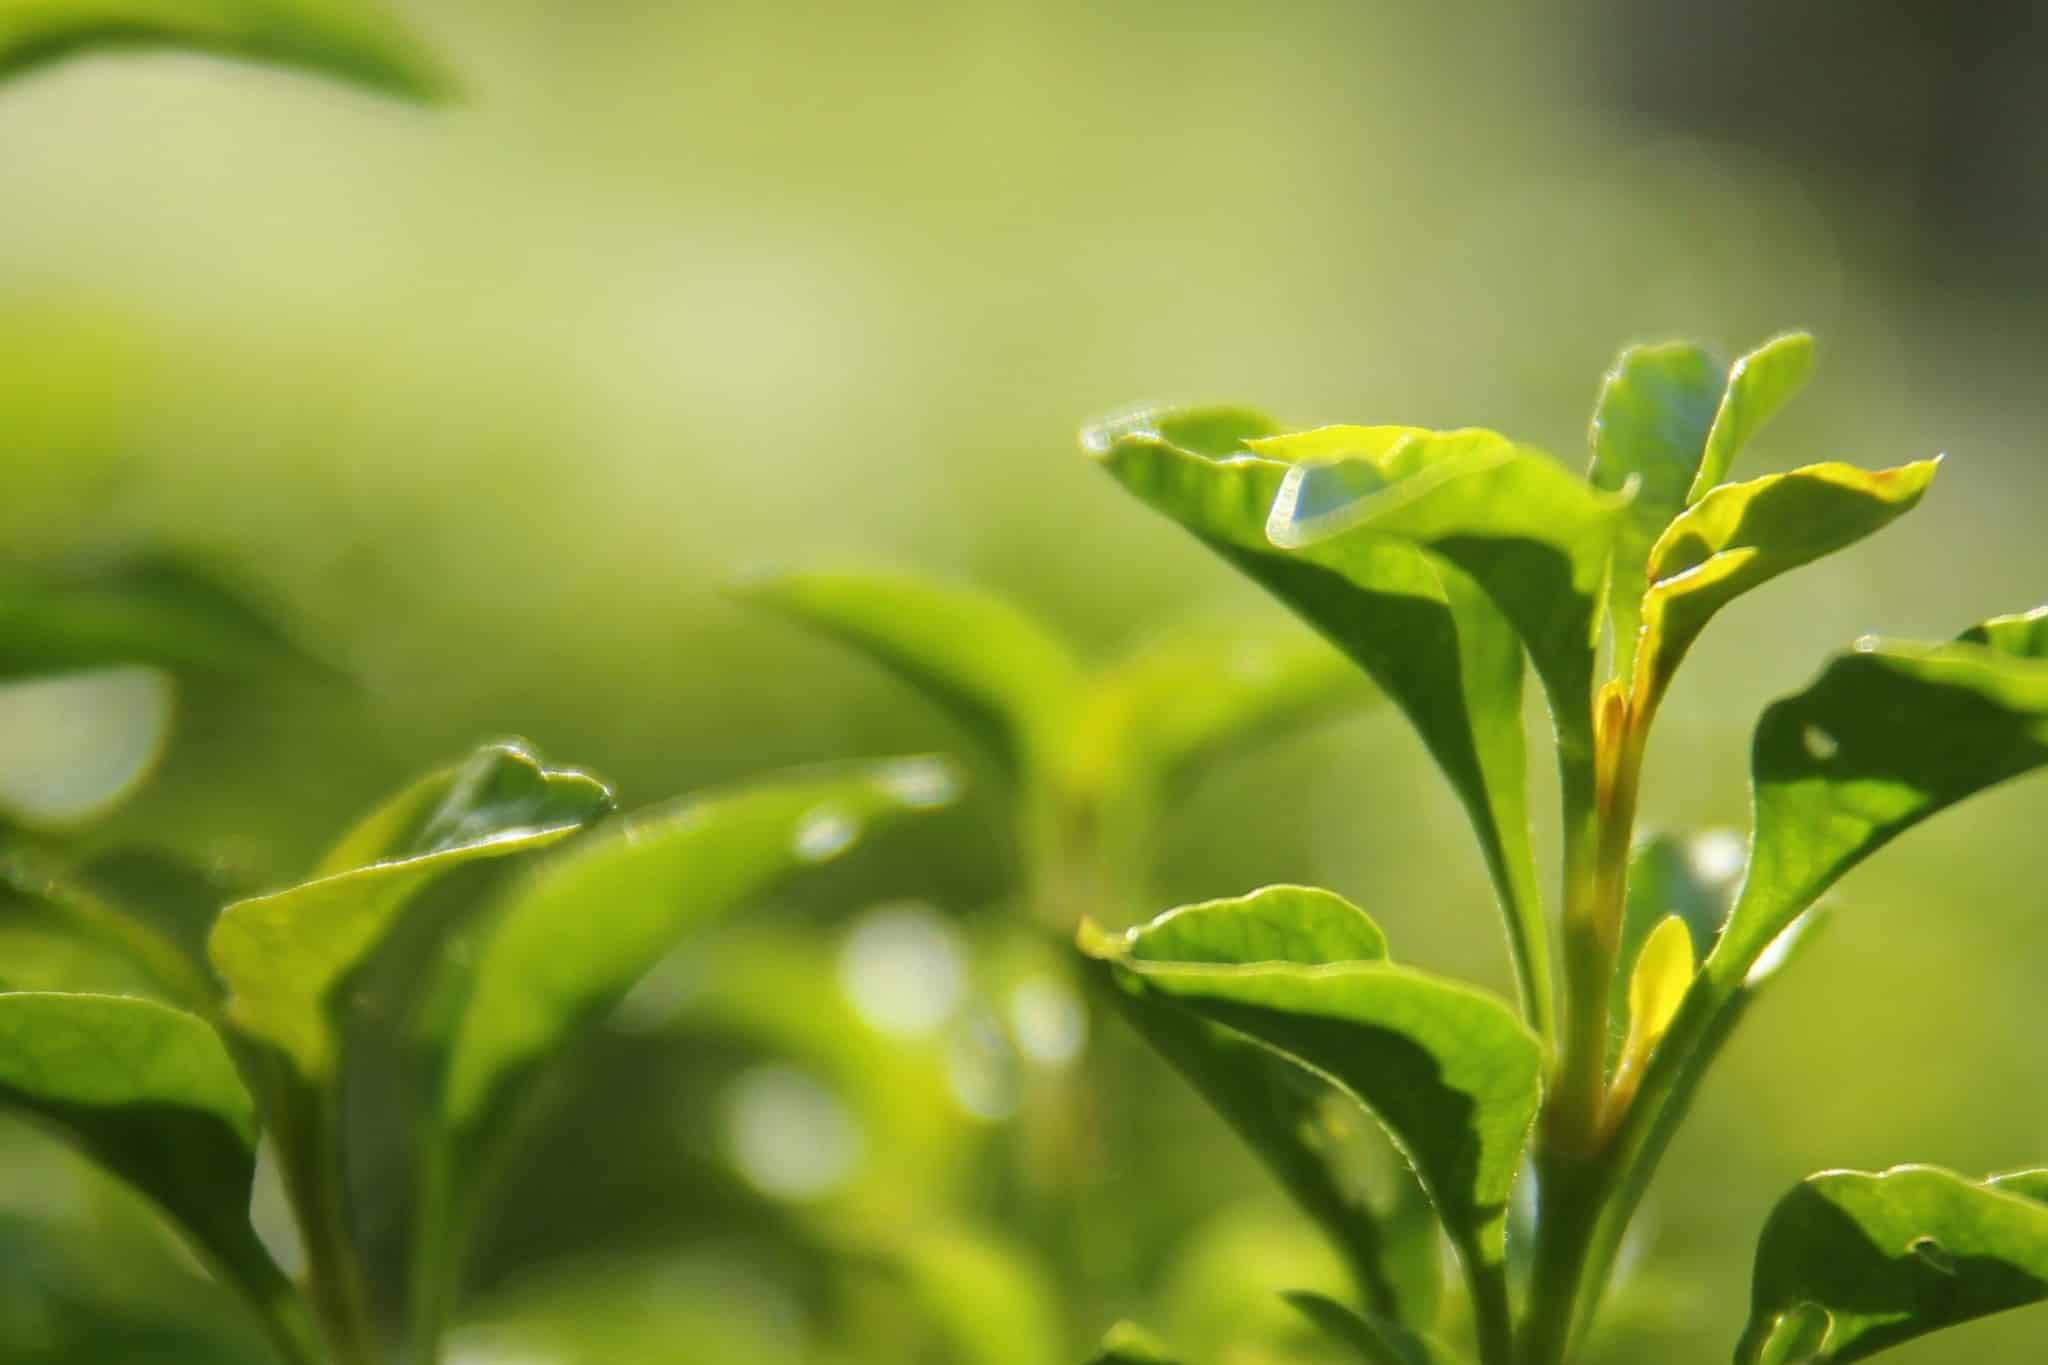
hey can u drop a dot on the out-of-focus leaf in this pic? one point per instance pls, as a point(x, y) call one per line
point(1535, 535)
point(283, 956)
point(1672, 421)
point(570, 942)
point(1195, 694)
point(991, 1304)
point(1885, 737)
point(1449, 1070)
point(1288, 1114)
point(162, 611)
point(1372, 1339)
point(1742, 535)
point(164, 948)
point(1851, 1263)
point(1013, 685)
point(1422, 629)
point(1758, 385)
point(355, 40)
point(1129, 1344)
point(149, 1093)
point(77, 744)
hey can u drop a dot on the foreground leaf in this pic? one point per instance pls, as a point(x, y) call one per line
point(1289, 1115)
point(1424, 631)
point(284, 956)
point(355, 40)
point(1013, 685)
point(569, 943)
point(148, 1093)
point(1888, 735)
point(1742, 535)
point(1449, 1070)
point(1851, 1263)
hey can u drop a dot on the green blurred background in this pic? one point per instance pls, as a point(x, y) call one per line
point(492, 400)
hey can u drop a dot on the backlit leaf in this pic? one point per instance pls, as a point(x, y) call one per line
point(1422, 629)
point(1851, 1263)
point(1888, 735)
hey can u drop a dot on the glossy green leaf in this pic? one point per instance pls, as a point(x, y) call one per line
point(1422, 629)
point(1669, 421)
point(284, 956)
point(1371, 1338)
point(1195, 694)
point(1013, 685)
point(1851, 1263)
point(148, 1093)
point(1291, 1116)
point(355, 40)
point(1888, 735)
point(1742, 535)
point(168, 612)
point(1536, 536)
point(570, 942)
point(1449, 1070)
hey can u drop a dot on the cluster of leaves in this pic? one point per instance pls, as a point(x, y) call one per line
point(1437, 561)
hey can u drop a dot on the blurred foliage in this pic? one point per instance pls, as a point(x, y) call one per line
point(492, 398)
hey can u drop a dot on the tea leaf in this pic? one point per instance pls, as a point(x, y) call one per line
point(1449, 1070)
point(355, 40)
point(1372, 1339)
point(1129, 1344)
point(1888, 735)
point(284, 956)
point(1851, 1263)
point(1536, 536)
point(1671, 421)
point(1424, 631)
point(1013, 685)
point(1742, 535)
point(1283, 1110)
point(148, 1093)
point(586, 926)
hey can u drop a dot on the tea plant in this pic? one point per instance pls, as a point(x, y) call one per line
point(1437, 561)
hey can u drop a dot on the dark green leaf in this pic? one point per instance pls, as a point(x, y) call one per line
point(1291, 1116)
point(283, 956)
point(355, 40)
point(149, 1093)
point(1449, 1070)
point(1888, 735)
point(1013, 685)
point(1372, 1339)
point(1425, 632)
point(1742, 535)
point(1851, 1263)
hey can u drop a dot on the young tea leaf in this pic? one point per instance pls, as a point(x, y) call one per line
point(148, 1093)
point(1425, 632)
point(283, 956)
point(1888, 735)
point(1449, 1070)
point(1291, 1116)
point(355, 40)
point(1851, 1263)
point(1012, 684)
point(1742, 535)
point(1758, 385)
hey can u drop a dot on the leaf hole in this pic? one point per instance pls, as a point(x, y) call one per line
point(1930, 1253)
point(1820, 745)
